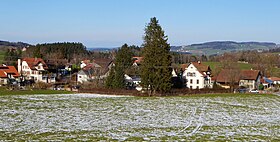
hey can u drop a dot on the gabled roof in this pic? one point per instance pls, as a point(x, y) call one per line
point(201, 67)
point(227, 75)
point(32, 62)
point(104, 63)
point(250, 74)
point(184, 66)
point(4, 70)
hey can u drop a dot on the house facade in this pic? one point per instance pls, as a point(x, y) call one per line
point(250, 79)
point(98, 69)
point(8, 74)
point(197, 76)
point(276, 80)
point(34, 69)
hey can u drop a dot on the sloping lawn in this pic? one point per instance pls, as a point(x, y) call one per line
point(214, 65)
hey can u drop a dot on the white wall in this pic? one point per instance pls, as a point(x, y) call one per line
point(191, 73)
point(29, 73)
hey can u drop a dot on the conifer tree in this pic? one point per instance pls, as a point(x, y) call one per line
point(122, 63)
point(156, 67)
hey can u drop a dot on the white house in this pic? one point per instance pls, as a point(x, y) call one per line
point(34, 69)
point(98, 69)
point(197, 76)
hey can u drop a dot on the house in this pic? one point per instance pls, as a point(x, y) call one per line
point(276, 80)
point(227, 77)
point(267, 83)
point(34, 69)
point(137, 61)
point(197, 75)
point(8, 74)
point(245, 78)
point(132, 81)
point(250, 79)
point(98, 69)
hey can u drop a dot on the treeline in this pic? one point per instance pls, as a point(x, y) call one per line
point(13, 44)
point(66, 50)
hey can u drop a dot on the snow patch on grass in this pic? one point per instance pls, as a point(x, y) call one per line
point(101, 117)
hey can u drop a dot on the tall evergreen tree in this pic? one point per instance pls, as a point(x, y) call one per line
point(156, 67)
point(122, 63)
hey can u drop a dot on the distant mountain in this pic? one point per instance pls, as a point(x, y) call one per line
point(100, 49)
point(13, 44)
point(219, 47)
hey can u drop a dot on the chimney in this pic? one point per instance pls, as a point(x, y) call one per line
point(19, 66)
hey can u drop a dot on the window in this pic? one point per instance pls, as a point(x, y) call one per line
point(191, 74)
point(197, 81)
point(197, 87)
point(191, 81)
point(190, 87)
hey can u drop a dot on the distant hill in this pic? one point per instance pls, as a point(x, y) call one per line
point(220, 47)
point(101, 49)
point(13, 44)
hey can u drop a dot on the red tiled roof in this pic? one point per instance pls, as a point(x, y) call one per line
point(201, 67)
point(184, 66)
point(138, 60)
point(274, 78)
point(2, 74)
point(32, 62)
point(9, 70)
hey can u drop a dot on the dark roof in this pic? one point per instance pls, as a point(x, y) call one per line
point(250, 74)
point(104, 63)
point(228, 75)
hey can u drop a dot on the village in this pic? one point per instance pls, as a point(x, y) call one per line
point(35, 73)
point(140, 71)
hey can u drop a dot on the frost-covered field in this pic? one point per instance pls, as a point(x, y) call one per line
point(94, 117)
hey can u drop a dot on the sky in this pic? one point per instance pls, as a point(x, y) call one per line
point(111, 23)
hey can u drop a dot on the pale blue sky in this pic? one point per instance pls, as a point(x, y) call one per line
point(111, 23)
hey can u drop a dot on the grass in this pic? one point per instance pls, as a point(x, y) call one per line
point(5, 91)
point(2, 55)
point(80, 117)
point(214, 65)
